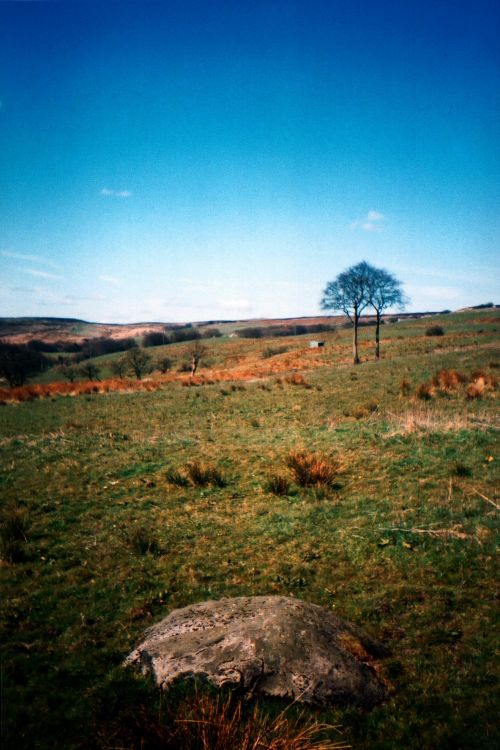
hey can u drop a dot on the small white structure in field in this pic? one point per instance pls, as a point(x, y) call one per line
point(316, 344)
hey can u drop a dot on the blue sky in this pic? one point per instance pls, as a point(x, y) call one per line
point(190, 160)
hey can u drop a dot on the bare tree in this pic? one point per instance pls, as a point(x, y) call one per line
point(164, 365)
point(90, 371)
point(196, 352)
point(385, 291)
point(118, 367)
point(138, 361)
point(69, 372)
point(350, 292)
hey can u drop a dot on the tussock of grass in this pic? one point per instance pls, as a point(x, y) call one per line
point(202, 475)
point(13, 533)
point(311, 469)
point(197, 474)
point(200, 719)
point(278, 484)
point(175, 477)
point(297, 379)
point(143, 541)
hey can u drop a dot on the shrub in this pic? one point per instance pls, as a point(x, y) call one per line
point(13, 533)
point(278, 484)
point(435, 331)
point(312, 468)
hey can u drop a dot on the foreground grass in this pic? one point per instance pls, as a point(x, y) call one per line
point(402, 540)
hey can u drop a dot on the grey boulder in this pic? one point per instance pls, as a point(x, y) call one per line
point(265, 645)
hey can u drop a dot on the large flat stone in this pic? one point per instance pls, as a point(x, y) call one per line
point(265, 645)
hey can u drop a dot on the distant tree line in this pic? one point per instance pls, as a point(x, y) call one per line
point(177, 335)
point(85, 349)
point(18, 362)
point(260, 332)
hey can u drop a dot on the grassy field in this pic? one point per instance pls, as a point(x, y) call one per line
point(105, 530)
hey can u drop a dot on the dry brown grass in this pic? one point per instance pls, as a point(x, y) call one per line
point(449, 380)
point(220, 723)
point(426, 419)
point(311, 469)
point(111, 385)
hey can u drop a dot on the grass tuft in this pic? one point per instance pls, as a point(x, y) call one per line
point(201, 719)
point(202, 475)
point(311, 469)
point(143, 541)
point(174, 476)
point(462, 470)
point(13, 533)
point(277, 484)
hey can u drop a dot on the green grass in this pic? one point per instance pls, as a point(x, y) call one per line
point(403, 542)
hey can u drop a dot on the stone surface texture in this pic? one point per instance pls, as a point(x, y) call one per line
point(265, 645)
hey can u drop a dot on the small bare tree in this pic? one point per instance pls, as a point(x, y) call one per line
point(196, 352)
point(118, 367)
point(69, 372)
point(164, 365)
point(138, 361)
point(90, 371)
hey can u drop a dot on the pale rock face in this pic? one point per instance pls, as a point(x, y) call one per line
point(265, 645)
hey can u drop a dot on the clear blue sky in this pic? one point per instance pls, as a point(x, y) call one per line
point(195, 160)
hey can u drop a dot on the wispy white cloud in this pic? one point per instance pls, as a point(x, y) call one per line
point(29, 257)
point(116, 193)
point(42, 274)
point(372, 222)
point(109, 280)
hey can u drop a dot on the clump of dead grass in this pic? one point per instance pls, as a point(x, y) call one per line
point(223, 723)
point(310, 469)
point(277, 484)
point(425, 419)
point(197, 474)
point(297, 379)
point(202, 720)
point(448, 380)
point(13, 533)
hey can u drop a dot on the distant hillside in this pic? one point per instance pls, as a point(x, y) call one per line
point(22, 330)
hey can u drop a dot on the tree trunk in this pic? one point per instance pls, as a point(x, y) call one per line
point(377, 337)
point(355, 339)
point(194, 365)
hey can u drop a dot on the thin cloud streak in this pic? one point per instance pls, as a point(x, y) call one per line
point(29, 257)
point(115, 193)
point(42, 274)
point(109, 280)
